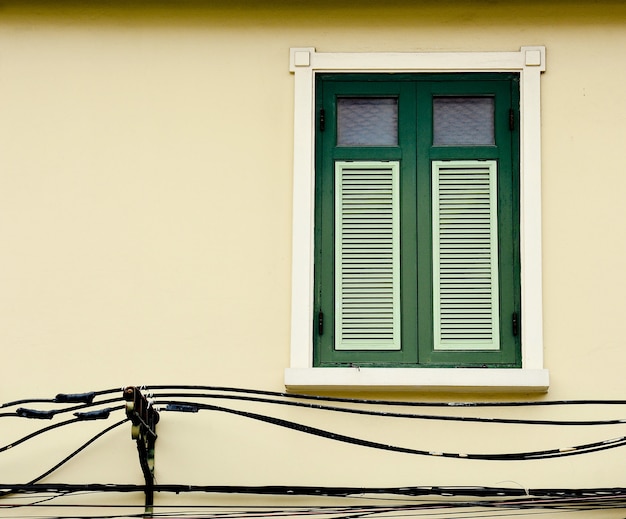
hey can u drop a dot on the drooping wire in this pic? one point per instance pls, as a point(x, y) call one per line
point(49, 428)
point(339, 399)
point(434, 508)
point(51, 413)
point(74, 453)
point(55, 399)
point(240, 395)
point(544, 454)
point(393, 414)
point(37, 433)
point(590, 447)
point(388, 402)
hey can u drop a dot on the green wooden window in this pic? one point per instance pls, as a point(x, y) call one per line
point(417, 220)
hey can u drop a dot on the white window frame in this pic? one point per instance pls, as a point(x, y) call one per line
point(529, 62)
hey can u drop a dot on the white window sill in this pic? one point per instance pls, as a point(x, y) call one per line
point(485, 380)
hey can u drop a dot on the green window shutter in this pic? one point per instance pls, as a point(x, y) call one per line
point(367, 256)
point(465, 256)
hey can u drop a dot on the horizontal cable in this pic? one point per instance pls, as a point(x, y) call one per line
point(520, 456)
point(392, 414)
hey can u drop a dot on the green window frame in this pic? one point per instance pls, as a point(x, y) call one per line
point(422, 330)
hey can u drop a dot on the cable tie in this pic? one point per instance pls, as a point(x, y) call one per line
point(100, 414)
point(182, 408)
point(567, 449)
point(33, 413)
point(436, 453)
point(65, 398)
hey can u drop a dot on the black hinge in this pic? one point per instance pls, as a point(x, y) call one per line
point(322, 120)
point(320, 323)
point(511, 119)
point(515, 323)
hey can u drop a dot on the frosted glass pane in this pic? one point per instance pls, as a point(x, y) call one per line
point(463, 121)
point(367, 121)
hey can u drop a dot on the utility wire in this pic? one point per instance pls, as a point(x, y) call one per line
point(407, 492)
point(48, 414)
point(388, 402)
point(543, 454)
point(73, 454)
point(392, 414)
point(618, 499)
point(61, 397)
point(427, 509)
point(339, 399)
point(80, 418)
point(37, 433)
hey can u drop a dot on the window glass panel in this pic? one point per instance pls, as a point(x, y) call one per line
point(463, 121)
point(367, 121)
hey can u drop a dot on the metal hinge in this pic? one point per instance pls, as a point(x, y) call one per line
point(511, 119)
point(515, 324)
point(320, 323)
point(322, 120)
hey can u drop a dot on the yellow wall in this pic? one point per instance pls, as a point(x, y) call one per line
point(145, 229)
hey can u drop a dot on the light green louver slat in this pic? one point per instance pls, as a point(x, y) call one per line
point(465, 256)
point(367, 256)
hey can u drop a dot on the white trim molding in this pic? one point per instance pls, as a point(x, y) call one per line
point(529, 62)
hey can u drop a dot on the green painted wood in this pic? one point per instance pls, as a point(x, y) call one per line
point(367, 256)
point(465, 256)
point(415, 155)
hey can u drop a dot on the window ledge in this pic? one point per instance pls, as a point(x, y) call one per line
point(486, 380)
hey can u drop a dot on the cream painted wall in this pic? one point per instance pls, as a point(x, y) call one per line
point(145, 223)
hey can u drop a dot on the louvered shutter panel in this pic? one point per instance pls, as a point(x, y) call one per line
point(367, 256)
point(465, 256)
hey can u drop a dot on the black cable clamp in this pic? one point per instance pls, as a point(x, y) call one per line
point(144, 418)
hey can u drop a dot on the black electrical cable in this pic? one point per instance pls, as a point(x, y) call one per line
point(322, 491)
point(55, 399)
point(62, 398)
point(80, 449)
point(80, 418)
point(388, 402)
point(74, 453)
point(48, 414)
point(346, 512)
point(508, 507)
point(521, 456)
point(51, 413)
point(37, 433)
point(593, 447)
point(570, 503)
point(390, 414)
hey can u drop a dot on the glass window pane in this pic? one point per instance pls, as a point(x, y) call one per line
point(367, 121)
point(463, 121)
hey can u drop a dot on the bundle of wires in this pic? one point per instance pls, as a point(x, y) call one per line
point(403, 501)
